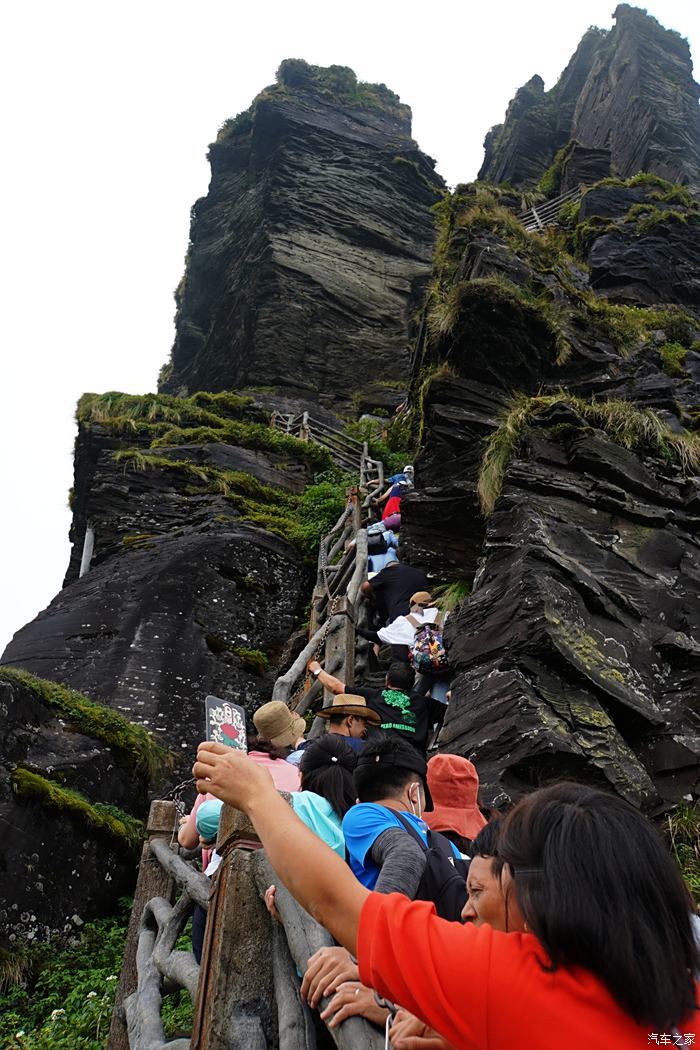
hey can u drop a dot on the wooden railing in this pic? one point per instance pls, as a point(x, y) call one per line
point(246, 991)
point(547, 214)
point(344, 450)
point(342, 568)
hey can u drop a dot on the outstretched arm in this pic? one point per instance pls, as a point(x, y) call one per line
point(311, 871)
point(327, 680)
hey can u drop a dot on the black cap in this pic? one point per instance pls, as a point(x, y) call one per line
point(404, 756)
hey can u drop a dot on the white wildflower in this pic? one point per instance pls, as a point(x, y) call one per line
point(91, 995)
point(56, 1013)
point(112, 977)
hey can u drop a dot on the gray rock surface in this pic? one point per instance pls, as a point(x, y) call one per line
point(576, 653)
point(309, 253)
point(55, 871)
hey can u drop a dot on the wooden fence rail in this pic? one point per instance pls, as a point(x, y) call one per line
point(537, 217)
point(246, 990)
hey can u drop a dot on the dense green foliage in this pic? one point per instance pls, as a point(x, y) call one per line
point(673, 356)
point(60, 996)
point(382, 444)
point(550, 183)
point(132, 745)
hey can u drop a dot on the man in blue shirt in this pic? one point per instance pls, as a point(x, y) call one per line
point(390, 779)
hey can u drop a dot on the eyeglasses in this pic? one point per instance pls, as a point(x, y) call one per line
point(526, 871)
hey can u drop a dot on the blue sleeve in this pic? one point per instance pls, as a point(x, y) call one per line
point(362, 826)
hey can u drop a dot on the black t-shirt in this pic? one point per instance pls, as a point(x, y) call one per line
point(407, 716)
point(393, 587)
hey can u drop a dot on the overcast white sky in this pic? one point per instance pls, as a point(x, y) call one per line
point(109, 108)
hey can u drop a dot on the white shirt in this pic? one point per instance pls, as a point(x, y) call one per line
point(402, 632)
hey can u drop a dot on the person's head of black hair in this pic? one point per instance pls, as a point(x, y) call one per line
point(400, 676)
point(326, 767)
point(596, 885)
point(485, 844)
point(379, 772)
point(261, 743)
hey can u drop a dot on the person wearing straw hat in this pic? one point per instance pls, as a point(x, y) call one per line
point(283, 729)
point(402, 711)
point(348, 716)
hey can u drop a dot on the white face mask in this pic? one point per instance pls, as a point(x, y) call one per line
point(416, 808)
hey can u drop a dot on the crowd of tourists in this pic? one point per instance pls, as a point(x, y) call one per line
point(563, 922)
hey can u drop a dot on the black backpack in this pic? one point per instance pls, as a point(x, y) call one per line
point(444, 881)
point(376, 544)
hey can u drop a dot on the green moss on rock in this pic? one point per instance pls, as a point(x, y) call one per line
point(133, 746)
point(96, 816)
point(673, 356)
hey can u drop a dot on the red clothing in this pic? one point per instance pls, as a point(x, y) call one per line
point(393, 506)
point(485, 990)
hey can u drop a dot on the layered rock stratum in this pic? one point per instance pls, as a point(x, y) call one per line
point(629, 91)
point(311, 251)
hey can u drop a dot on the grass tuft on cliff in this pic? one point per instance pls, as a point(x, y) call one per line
point(134, 747)
point(165, 420)
point(634, 428)
point(202, 407)
point(478, 210)
point(683, 834)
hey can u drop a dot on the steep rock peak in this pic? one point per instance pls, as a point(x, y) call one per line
point(629, 90)
point(310, 93)
point(310, 252)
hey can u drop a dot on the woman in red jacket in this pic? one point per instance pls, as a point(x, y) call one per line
point(602, 952)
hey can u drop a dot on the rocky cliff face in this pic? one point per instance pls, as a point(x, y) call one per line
point(559, 468)
point(629, 91)
point(194, 523)
point(311, 250)
point(554, 403)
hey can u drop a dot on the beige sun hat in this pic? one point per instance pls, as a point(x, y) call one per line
point(349, 704)
point(278, 724)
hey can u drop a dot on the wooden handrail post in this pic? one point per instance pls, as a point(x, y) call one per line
point(235, 997)
point(354, 496)
point(152, 881)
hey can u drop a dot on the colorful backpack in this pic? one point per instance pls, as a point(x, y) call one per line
point(427, 655)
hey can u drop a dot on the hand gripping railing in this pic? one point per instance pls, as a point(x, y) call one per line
point(246, 991)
